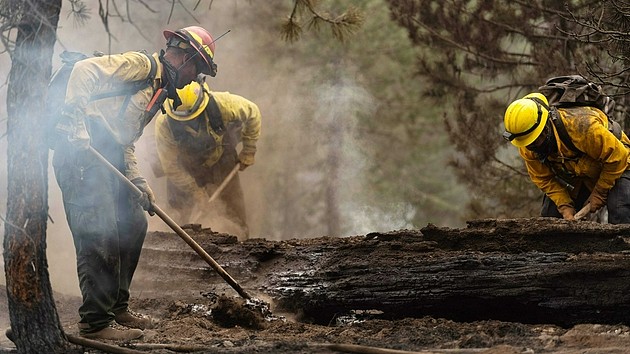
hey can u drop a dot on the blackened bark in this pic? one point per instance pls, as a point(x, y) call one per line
point(539, 270)
point(33, 315)
point(530, 271)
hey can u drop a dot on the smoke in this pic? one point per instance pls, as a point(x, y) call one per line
point(341, 105)
point(236, 65)
point(310, 167)
point(87, 38)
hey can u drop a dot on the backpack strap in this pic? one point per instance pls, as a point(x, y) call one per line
point(566, 140)
point(216, 121)
point(562, 131)
point(134, 87)
point(565, 181)
point(153, 69)
point(131, 89)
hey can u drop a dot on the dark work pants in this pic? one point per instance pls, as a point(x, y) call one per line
point(108, 228)
point(618, 202)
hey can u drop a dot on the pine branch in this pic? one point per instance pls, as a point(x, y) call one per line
point(341, 26)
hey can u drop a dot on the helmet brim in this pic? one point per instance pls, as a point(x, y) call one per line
point(184, 116)
point(168, 34)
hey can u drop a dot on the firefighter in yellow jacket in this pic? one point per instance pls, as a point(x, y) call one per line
point(197, 144)
point(107, 222)
point(593, 172)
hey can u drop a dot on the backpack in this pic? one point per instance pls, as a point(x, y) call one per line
point(56, 94)
point(576, 91)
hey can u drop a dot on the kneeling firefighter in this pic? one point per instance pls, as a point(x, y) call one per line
point(197, 148)
point(572, 156)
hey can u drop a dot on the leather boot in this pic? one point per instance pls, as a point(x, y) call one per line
point(133, 319)
point(114, 332)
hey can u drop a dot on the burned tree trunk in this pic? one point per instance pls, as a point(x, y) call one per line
point(503, 270)
point(34, 321)
point(526, 270)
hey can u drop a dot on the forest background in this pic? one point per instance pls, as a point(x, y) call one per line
point(396, 126)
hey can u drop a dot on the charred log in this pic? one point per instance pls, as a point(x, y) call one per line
point(525, 270)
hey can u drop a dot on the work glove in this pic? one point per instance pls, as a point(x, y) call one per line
point(78, 135)
point(597, 199)
point(246, 156)
point(147, 199)
point(567, 211)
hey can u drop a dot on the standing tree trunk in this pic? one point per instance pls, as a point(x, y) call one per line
point(34, 320)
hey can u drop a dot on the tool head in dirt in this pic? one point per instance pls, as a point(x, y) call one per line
point(261, 306)
point(236, 311)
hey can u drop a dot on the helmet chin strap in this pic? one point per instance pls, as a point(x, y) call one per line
point(172, 76)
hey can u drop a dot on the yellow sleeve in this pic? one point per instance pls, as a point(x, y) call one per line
point(234, 107)
point(131, 163)
point(98, 74)
point(589, 133)
point(168, 153)
point(542, 176)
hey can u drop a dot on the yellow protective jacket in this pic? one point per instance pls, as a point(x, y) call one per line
point(232, 108)
point(603, 161)
point(106, 74)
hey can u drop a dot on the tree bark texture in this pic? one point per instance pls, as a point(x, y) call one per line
point(539, 270)
point(33, 315)
point(500, 270)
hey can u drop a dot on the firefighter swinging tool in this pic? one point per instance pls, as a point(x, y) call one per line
point(178, 230)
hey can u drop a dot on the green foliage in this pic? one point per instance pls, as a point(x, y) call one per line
point(478, 56)
point(341, 26)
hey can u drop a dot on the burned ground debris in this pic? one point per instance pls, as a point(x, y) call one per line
point(526, 270)
point(543, 284)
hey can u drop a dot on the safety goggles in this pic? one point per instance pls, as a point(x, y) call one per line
point(179, 43)
point(539, 104)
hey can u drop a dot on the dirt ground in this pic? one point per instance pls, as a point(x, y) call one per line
point(198, 312)
point(192, 327)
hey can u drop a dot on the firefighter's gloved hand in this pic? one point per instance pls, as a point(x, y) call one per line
point(147, 199)
point(246, 158)
point(567, 211)
point(597, 199)
point(78, 135)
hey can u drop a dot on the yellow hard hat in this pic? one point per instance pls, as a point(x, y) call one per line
point(194, 100)
point(525, 119)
